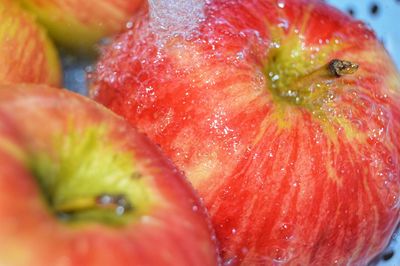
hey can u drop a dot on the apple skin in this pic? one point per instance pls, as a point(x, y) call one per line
point(174, 230)
point(26, 52)
point(308, 182)
point(79, 25)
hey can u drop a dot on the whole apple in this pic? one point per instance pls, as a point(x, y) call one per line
point(79, 25)
point(284, 115)
point(79, 186)
point(27, 55)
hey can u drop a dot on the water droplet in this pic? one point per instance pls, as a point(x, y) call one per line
point(233, 231)
point(129, 25)
point(281, 3)
point(394, 202)
point(283, 23)
point(195, 208)
point(286, 231)
point(279, 255)
point(230, 261)
point(275, 77)
point(244, 250)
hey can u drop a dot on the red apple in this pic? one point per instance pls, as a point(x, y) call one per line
point(296, 154)
point(77, 24)
point(79, 186)
point(27, 55)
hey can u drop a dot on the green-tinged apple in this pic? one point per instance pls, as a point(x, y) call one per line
point(284, 115)
point(79, 25)
point(79, 186)
point(27, 55)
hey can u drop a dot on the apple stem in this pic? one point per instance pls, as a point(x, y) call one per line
point(119, 203)
point(340, 68)
point(336, 68)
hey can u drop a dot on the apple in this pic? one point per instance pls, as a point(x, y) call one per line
point(284, 115)
point(27, 55)
point(79, 25)
point(79, 186)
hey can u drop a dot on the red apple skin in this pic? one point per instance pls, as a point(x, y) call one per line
point(283, 183)
point(175, 231)
point(79, 25)
point(27, 54)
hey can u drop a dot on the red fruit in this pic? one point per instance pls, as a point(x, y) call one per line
point(79, 186)
point(295, 154)
point(27, 55)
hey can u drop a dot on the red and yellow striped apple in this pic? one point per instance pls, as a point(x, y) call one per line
point(77, 24)
point(284, 115)
point(27, 55)
point(79, 186)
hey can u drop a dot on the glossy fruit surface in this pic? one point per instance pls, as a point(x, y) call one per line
point(27, 55)
point(79, 25)
point(296, 165)
point(79, 186)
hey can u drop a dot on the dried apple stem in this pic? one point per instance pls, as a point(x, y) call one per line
point(340, 68)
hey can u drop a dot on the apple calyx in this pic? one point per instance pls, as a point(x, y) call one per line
point(118, 203)
point(86, 175)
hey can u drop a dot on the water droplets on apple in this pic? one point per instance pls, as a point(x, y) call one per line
point(104, 41)
point(295, 184)
point(120, 210)
point(117, 45)
point(164, 119)
point(286, 231)
point(230, 261)
point(175, 17)
point(394, 201)
point(129, 25)
point(281, 3)
point(258, 81)
point(283, 24)
point(279, 255)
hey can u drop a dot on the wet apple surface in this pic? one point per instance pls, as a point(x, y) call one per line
point(295, 165)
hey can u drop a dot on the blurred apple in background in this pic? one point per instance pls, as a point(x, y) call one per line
point(79, 25)
point(27, 55)
point(79, 186)
point(284, 115)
